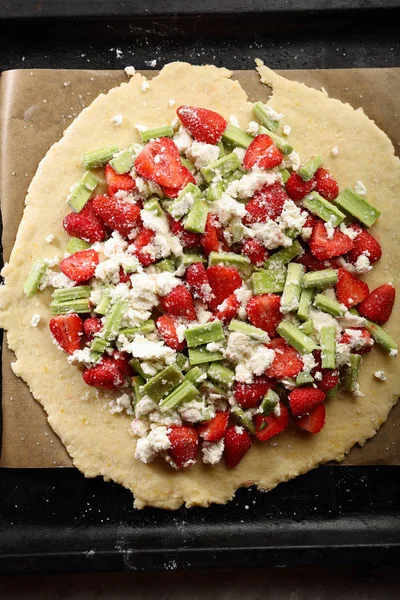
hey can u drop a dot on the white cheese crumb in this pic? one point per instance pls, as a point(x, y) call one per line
point(35, 320)
point(240, 153)
point(251, 356)
point(49, 238)
point(306, 233)
point(202, 154)
point(253, 128)
point(227, 208)
point(171, 102)
point(357, 392)
point(145, 406)
point(139, 428)
point(144, 451)
point(130, 71)
point(118, 405)
point(141, 128)
point(151, 63)
point(196, 411)
point(351, 233)
point(145, 86)
point(380, 375)
point(117, 120)
point(330, 230)
point(158, 439)
point(233, 121)
point(287, 130)
point(335, 151)
point(360, 188)
point(212, 453)
point(308, 363)
point(362, 264)
point(393, 353)
point(183, 139)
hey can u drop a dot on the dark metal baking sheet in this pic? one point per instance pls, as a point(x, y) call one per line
point(55, 519)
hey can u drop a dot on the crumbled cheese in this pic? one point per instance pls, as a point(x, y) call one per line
point(202, 154)
point(130, 71)
point(144, 451)
point(227, 208)
point(203, 315)
point(308, 363)
point(118, 405)
point(360, 188)
point(240, 152)
point(393, 353)
point(243, 295)
point(145, 86)
point(270, 234)
point(215, 346)
point(49, 238)
point(82, 356)
point(117, 120)
point(272, 114)
point(146, 349)
point(251, 356)
point(334, 151)
point(212, 453)
point(183, 139)
point(145, 406)
point(56, 280)
point(233, 121)
point(362, 264)
point(165, 282)
point(321, 319)
point(287, 130)
point(349, 320)
point(158, 439)
point(35, 320)
point(357, 392)
point(357, 340)
point(171, 102)
point(182, 205)
point(380, 375)
point(164, 242)
point(151, 63)
point(351, 233)
point(196, 411)
point(252, 129)
point(293, 161)
point(247, 186)
point(306, 233)
point(156, 418)
point(330, 230)
point(139, 428)
point(292, 217)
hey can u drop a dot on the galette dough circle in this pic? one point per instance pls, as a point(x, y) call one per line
point(100, 443)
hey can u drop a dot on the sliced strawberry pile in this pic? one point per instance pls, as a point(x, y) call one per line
point(273, 424)
point(378, 305)
point(166, 327)
point(264, 312)
point(297, 188)
point(262, 153)
point(255, 251)
point(120, 215)
point(179, 303)
point(287, 361)
point(184, 444)
point(121, 359)
point(214, 430)
point(350, 290)
point(209, 239)
point(314, 422)
point(249, 395)
point(160, 162)
point(81, 265)
point(184, 178)
point(324, 247)
point(313, 264)
point(364, 244)
point(105, 374)
point(237, 444)
point(303, 400)
point(228, 309)
point(118, 182)
point(223, 282)
point(325, 184)
point(205, 125)
point(197, 279)
point(67, 330)
point(86, 225)
point(266, 204)
point(144, 238)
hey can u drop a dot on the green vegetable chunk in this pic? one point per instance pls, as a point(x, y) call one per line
point(184, 393)
point(35, 278)
point(226, 164)
point(358, 207)
point(123, 161)
point(220, 374)
point(242, 418)
point(268, 282)
point(234, 136)
point(79, 306)
point(82, 192)
point(329, 306)
point(196, 220)
point(98, 158)
point(381, 336)
point(283, 257)
point(249, 330)
point(262, 113)
point(190, 259)
point(195, 376)
point(214, 191)
point(285, 175)
point(328, 347)
point(69, 294)
point(324, 209)
point(296, 338)
point(320, 279)
point(269, 402)
point(308, 327)
point(304, 378)
point(201, 355)
point(292, 289)
point(76, 245)
point(99, 345)
point(303, 312)
point(137, 383)
point(113, 320)
point(199, 335)
point(167, 264)
point(163, 383)
point(278, 141)
point(230, 259)
point(310, 167)
point(185, 201)
point(146, 327)
point(136, 366)
point(157, 132)
point(351, 373)
point(105, 301)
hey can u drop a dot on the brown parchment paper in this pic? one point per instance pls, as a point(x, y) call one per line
point(35, 108)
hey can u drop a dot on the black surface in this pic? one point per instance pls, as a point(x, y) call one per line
point(55, 520)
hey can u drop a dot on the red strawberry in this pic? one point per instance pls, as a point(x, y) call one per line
point(187, 239)
point(85, 225)
point(204, 125)
point(266, 204)
point(179, 303)
point(287, 361)
point(350, 290)
point(167, 329)
point(117, 182)
point(262, 153)
point(323, 247)
point(184, 442)
point(118, 214)
point(160, 162)
point(144, 238)
point(314, 422)
point(91, 325)
point(67, 330)
point(223, 282)
point(366, 244)
point(329, 377)
point(81, 265)
point(363, 346)
point(255, 251)
point(122, 359)
point(197, 280)
point(310, 220)
point(313, 264)
point(209, 239)
point(378, 305)
point(326, 185)
point(264, 312)
point(214, 430)
point(297, 188)
point(185, 178)
point(303, 400)
point(267, 427)
point(124, 277)
point(237, 443)
point(228, 309)
point(249, 395)
point(105, 374)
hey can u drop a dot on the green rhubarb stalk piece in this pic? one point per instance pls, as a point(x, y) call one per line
point(308, 327)
point(292, 289)
point(269, 402)
point(268, 282)
point(208, 389)
point(163, 383)
point(197, 217)
point(332, 392)
point(242, 418)
point(324, 209)
point(146, 327)
point(122, 162)
point(35, 278)
point(182, 362)
point(214, 191)
point(137, 367)
point(221, 147)
point(220, 374)
point(284, 256)
point(79, 306)
point(76, 245)
point(199, 335)
point(236, 231)
point(105, 301)
point(328, 347)
point(99, 158)
point(262, 114)
point(222, 166)
point(200, 355)
point(69, 294)
point(351, 373)
point(304, 378)
point(188, 164)
point(285, 175)
point(195, 376)
point(153, 205)
point(247, 329)
point(320, 279)
point(230, 259)
point(279, 142)
point(82, 192)
point(234, 136)
point(381, 336)
point(308, 169)
point(185, 201)
point(167, 264)
point(99, 345)
point(137, 383)
point(296, 338)
point(184, 393)
point(228, 179)
point(157, 132)
point(306, 297)
point(330, 306)
point(357, 206)
point(113, 320)
point(188, 259)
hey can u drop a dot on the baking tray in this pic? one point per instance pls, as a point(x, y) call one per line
point(55, 520)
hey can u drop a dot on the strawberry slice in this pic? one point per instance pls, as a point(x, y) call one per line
point(303, 400)
point(209, 239)
point(297, 188)
point(255, 251)
point(105, 374)
point(204, 125)
point(287, 361)
point(117, 214)
point(237, 444)
point(327, 378)
point(81, 265)
point(179, 303)
point(214, 430)
point(187, 239)
point(266, 204)
point(325, 184)
point(117, 182)
point(91, 325)
point(350, 290)
point(249, 395)
point(85, 225)
point(67, 330)
point(167, 329)
point(314, 422)
point(124, 277)
point(378, 305)
point(185, 178)
point(197, 280)
point(122, 359)
point(324, 247)
point(228, 309)
point(267, 427)
point(363, 346)
point(160, 162)
point(144, 238)
point(262, 153)
point(264, 312)
point(184, 443)
point(223, 282)
point(313, 264)
point(366, 244)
